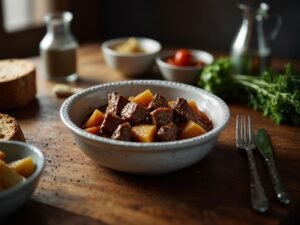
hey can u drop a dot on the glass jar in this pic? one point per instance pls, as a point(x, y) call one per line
point(251, 51)
point(58, 49)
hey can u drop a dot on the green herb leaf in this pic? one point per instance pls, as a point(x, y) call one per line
point(277, 95)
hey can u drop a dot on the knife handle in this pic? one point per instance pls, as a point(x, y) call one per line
point(259, 199)
point(279, 189)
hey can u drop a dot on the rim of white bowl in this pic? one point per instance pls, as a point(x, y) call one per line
point(64, 114)
point(195, 52)
point(29, 180)
point(106, 47)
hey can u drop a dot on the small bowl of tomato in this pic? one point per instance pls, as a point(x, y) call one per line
point(183, 65)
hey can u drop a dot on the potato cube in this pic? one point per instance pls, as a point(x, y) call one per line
point(95, 119)
point(130, 98)
point(191, 129)
point(93, 130)
point(171, 103)
point(144, 133)
point(8, 177)
point(25, 167)
point(2, 156)
point(144, 98)
point(194, 106)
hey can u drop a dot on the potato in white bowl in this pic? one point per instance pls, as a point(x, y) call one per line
point(131, 64)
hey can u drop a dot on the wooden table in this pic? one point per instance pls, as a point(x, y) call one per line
point(74, 190)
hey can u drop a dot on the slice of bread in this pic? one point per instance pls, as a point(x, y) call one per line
point(17, 83)
point(10, 129)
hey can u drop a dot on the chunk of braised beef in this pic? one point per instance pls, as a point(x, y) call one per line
point(148, 119)
point(123, 132)
point(181, 126)
point(116, 103)
point(110, 123)
point(162, 116)
point(204, 121)
point(102, 108)
point(185, 113)
point(176, 119)
point(183, 110)
point(167, 132)
point(207, 125)
point(157, 102)
point(134, 113)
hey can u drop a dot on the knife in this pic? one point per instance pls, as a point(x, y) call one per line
point(264, 146)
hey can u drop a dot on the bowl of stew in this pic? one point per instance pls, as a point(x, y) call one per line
point(145, 152)
point(183, 65)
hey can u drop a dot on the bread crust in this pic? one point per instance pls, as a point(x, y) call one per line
point(17, 83)
point(10, 129)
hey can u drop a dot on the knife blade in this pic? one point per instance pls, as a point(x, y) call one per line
point(264, 146)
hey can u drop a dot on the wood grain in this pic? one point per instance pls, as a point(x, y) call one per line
point(213, 191)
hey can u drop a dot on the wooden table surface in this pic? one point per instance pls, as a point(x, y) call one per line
point(74, 190)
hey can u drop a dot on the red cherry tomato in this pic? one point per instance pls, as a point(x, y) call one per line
point(183, 57)
point(171, 61)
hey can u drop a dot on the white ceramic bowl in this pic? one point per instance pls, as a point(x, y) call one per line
point(143, 158)
point(182, 74)
point(131, 64)
point(12, 198)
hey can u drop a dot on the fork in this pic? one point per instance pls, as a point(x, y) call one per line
point(245, 140)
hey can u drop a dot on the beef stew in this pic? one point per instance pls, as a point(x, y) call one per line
point(147, 118)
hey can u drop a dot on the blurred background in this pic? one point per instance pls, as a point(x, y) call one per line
point(208, 25)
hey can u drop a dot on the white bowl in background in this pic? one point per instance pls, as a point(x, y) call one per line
point(143, 158)
point(131, 64)
point(182, 74)
point(14, 197)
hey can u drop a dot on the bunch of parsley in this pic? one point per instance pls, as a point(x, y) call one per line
point(277, 95)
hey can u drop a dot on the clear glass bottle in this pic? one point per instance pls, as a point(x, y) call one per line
point(58, 49)
point(251, 51)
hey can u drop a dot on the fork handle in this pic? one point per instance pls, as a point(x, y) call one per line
point(279, 189)
point(259, 199)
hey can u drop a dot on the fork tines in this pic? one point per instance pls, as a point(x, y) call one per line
point(242, 139)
